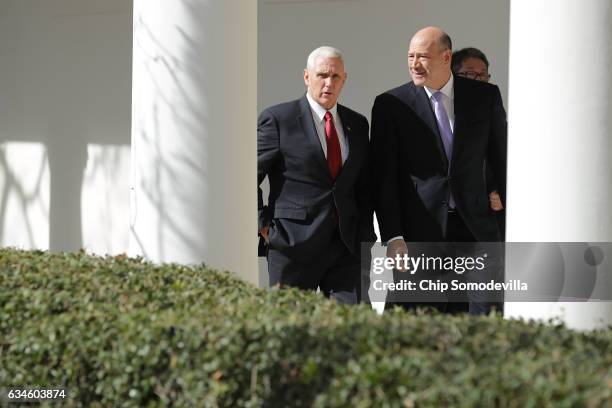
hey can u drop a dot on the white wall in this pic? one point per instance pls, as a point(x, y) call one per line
point(65, 68)
point(374, 36)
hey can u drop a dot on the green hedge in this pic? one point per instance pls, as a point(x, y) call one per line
point(120, 331)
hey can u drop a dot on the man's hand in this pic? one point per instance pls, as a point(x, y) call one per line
point(395, 248)
point(264, 233)
point(496, 204)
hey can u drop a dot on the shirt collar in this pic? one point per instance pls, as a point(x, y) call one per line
point(448, 90)
point(320, 111)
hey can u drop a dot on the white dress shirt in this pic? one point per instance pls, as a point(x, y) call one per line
point(318, 115)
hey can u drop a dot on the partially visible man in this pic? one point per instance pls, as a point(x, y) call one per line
point(314, 152)
point(472, 63)
point(430, 140)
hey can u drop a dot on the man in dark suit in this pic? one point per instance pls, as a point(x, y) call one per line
point(315, 154)
point(472, 63)
point(430, 140)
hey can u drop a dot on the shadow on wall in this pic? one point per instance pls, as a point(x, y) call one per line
point(63, 201)
point(24, 195)
point(39, 206)
point(66, 86)
point(104, 198)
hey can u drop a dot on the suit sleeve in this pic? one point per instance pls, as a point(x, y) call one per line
point(498, 145)
point(491, 183)
point(268, 152)
point(363, 196)
point(385, 170)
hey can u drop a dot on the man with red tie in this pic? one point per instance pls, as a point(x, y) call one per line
point(315, 155)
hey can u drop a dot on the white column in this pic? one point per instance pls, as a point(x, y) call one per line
point(560, 132)
point(194, 114)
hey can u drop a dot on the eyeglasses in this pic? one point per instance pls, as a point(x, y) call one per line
point(479, 76)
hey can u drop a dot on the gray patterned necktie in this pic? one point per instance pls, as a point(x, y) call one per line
point(445, 131)
point(443, 123)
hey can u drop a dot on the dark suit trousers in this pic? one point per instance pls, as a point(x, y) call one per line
point(456, 231)
point(335, 271)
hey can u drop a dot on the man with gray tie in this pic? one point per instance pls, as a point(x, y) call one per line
point(430, 140)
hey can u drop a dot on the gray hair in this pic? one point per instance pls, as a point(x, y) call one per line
point(325, 52)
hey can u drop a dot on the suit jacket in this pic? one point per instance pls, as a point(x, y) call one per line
point(303, 198)
point(413, 173)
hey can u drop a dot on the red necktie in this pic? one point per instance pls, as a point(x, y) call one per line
point(334, 157)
